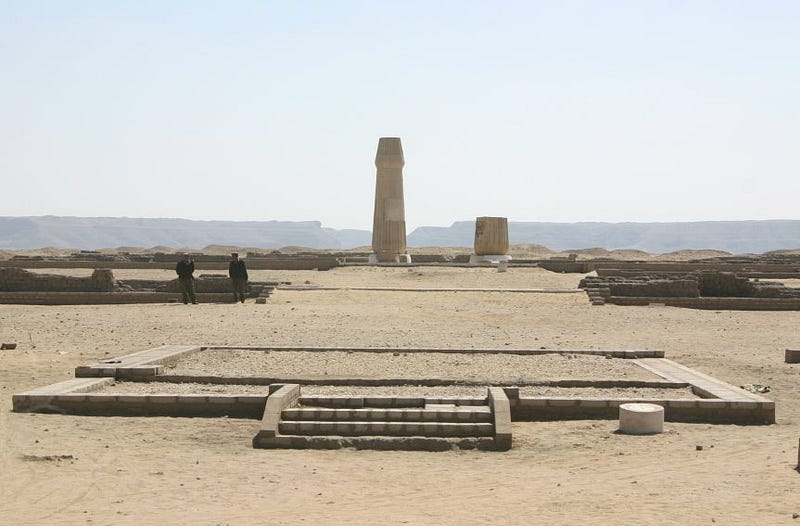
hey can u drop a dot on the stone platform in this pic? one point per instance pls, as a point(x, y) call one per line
point(387, 421)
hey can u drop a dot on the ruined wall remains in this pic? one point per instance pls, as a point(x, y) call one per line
point(725, 285)
point(20, 280)
point(699, 290)
point(668, 288)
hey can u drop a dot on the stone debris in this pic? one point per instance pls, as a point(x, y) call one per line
point(756, 388)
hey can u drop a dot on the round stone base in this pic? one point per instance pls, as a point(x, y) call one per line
point(494, 259)
point(641, 419)
point(399, 258)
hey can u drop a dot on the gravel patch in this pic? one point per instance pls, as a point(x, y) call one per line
point(464, 366)
point(473, 392)
point(610, 392)
point(462, 391)
point(182, 388)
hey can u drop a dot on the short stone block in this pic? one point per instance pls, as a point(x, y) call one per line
point(641, 419)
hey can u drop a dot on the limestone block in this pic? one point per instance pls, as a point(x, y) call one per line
point(491, 235)
point(641, 419)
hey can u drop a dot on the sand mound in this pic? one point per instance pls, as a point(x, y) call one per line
point(590, 252)
point(629, 254)
point(684, 255)
point(529, 250)
point(784, 252)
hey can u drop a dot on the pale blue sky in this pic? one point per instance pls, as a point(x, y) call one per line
point(537, 111)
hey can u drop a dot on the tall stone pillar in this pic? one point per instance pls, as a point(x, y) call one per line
point(389, 221)
point(491, 241)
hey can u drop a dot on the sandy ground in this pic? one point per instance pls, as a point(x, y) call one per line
point(58, 469)
point(342, 364)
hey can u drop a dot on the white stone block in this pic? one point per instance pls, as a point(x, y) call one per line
point(641, 419)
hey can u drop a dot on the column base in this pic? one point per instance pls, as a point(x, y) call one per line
point(398, 258)
point(488, 260)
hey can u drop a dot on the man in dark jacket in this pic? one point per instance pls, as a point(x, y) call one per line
point(238, 274)
point(185, 269)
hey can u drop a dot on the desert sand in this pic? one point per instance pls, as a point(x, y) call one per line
point(61, 469)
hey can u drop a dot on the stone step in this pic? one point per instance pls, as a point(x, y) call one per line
point(407, 429)
point(386, 401)
point(411, 443)
point(451, 414)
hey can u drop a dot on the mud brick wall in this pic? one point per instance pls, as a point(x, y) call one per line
point(567, 266)
point(201, 284)
point(725, 285)
point(20, 280)
point(775, 290)
point(431, 258)
point(160, 257)
point(765, 304)
point(668, 288)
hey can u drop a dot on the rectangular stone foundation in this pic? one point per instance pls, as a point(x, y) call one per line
point(718, 401)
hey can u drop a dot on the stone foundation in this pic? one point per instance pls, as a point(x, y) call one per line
point(19, 280)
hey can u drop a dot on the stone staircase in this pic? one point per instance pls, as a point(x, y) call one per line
point(597, 295)
point(386, 422)
point(596, 289)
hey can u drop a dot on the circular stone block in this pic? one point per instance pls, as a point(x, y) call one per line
point(641, 419)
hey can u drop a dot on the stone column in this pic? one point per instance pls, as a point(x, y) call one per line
point(491, 241)
point(389, 221)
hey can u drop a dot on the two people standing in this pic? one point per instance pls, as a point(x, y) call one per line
point(237, 271)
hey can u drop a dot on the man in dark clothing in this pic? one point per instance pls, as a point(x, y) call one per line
point(185, 269)
point(238, 274)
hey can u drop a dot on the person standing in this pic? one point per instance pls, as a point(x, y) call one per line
point(237, 271)
point(185, 271)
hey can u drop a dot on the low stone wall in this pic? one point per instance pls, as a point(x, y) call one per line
point(104, 298)
point(321, 263)
point(766, 304)
point(241, 406)
point(205, 283)
point(698, 290)
point(681, 288)
point(23, 287)
point(566, 266)
point(20, 280)
point(725, 285)
point(710, 411)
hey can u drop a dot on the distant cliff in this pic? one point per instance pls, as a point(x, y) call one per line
point(91, 233)
point(731, 236)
